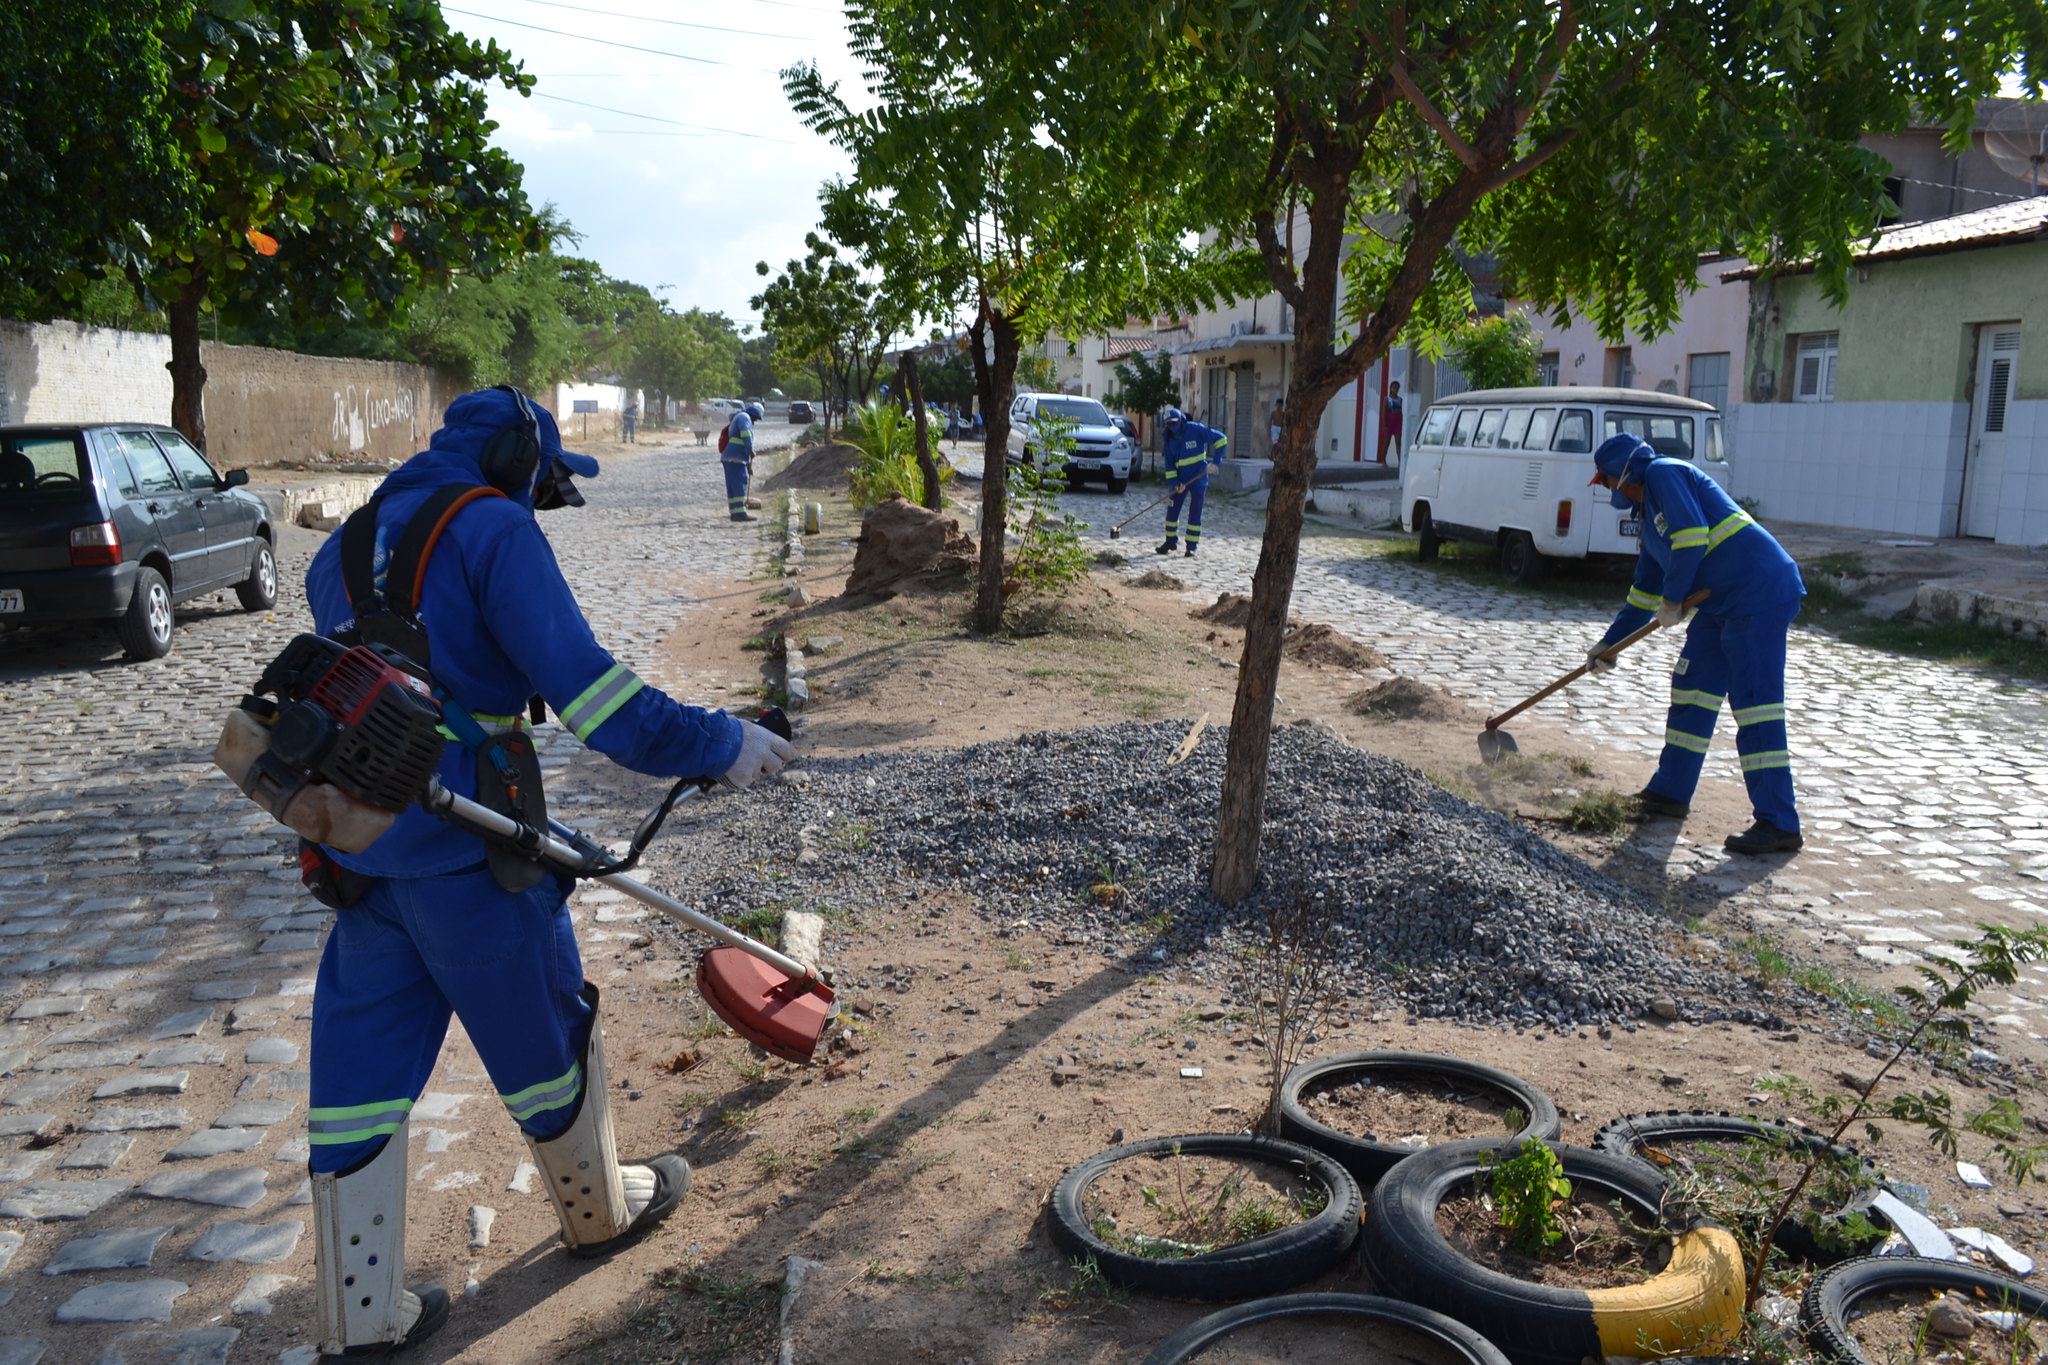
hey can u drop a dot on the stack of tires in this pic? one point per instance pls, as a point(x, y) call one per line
point(1691, 1307)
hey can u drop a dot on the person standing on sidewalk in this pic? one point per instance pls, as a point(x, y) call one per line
point(736, 453)
point(1390, 422)
point(1693, 537)
point(428, 924)
point(1186, 454)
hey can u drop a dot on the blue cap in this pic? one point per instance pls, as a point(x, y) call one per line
point(1620, 457)
point(1173, 417)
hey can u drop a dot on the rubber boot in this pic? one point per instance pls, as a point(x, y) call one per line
point(1654, 806)
point(1168, 546)
point(1764, 837)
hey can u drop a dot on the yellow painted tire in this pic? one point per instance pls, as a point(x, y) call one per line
point(814, 518)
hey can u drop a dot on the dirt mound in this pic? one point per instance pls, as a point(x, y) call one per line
point(1230, 609)
point(1324, 648)
point(1407, 699)
point(819, 467)
point(1158, 578)
point(899, 540)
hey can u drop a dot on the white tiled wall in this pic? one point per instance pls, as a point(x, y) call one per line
point(2023, 510)
point(1894, 467)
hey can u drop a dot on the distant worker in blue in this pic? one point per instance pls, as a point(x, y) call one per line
point(432, 920)
point(629, 422)
point(1694, 537)
point(1189, 450)
point(736, 451)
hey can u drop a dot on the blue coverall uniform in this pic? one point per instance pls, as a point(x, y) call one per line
point(738, 459)
point(1186, 453)
point(1693, 537)
point(435, 932)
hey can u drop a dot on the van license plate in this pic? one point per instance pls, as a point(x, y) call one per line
point(1632, 527)
point(10, 599)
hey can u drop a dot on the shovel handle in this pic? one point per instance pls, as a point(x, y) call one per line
point(1143, 510)
point(1648, 628)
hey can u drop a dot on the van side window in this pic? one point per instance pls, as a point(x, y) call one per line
point(1489, 429)
point(1716, 452)
point(1541, 420)
point(1435, 427)
point(1574, 432)
point(1461, 434)
point(1514, 429)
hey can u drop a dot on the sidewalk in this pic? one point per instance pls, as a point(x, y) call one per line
point(1954, 579)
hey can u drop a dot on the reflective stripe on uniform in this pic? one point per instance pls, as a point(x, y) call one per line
point(1679, 739)
point(1727, 527)
point(1756, 715)
point(597, 702)
point(546, 1095)
point(1769, 758)
point(356, 1122)
point(1705, 700)
point(491, 725)
point(1691, 538)
point(1646, 601)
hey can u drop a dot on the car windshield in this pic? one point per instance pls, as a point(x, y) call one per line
point(42, 467)
point(1079, 410)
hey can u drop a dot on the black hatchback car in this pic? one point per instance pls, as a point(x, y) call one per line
point(122, 522)
point(800, 413)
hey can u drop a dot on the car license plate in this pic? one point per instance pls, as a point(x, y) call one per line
point(1632, 527)
point(10, 600)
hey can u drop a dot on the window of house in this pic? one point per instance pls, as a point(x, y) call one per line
point(1621, 367)
point(1707, 378)
point(1461, 435)
point(1813, 367)
point(1546, 368)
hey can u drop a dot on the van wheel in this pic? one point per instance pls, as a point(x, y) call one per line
point(145, 628)
point(1427, 542)
point(1519, 558)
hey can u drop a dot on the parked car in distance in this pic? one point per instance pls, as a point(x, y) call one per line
point(800, 413)
point(122, 522)
point(721, 408)
point(1100, 450)
point(1510, 467)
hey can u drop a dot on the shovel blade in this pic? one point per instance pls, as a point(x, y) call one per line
point(1495, 745)
point(761, 1004)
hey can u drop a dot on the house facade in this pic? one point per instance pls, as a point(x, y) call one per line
point(1919, 405)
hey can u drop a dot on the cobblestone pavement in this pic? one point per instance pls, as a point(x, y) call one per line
point(1924, 787)
point(157, 960)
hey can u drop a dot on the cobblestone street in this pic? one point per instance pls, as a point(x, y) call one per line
point(157, 955)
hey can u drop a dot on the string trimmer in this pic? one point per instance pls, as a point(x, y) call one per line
point(1116, 531)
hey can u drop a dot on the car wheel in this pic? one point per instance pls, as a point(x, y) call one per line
point(1520, 560)
point(145, 628)
point(258, 592)
point(1427, 542)
point(1117, 485)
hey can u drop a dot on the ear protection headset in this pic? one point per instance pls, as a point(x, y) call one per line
point(512, 455)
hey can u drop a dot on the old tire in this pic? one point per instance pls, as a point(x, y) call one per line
point(1694, 1303)
point(1639, 1135)
point(1832, 1295)
point(1197, 1337)
point(258, 592)
point(1520, 561)
point(1264, 1265)
point(1427, 542)
point(1368, 1160)
point(145, 628)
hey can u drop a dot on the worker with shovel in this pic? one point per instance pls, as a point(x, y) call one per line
point(1695, 537)
point(437, 922)
point(1188, 451)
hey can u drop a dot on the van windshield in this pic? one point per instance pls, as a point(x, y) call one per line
point(1667, 433)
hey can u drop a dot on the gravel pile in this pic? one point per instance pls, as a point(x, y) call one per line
point(1438, 904)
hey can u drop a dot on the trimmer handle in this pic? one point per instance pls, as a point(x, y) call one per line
point(775, 721)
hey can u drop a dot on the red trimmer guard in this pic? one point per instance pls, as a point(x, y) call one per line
point(762, 1005)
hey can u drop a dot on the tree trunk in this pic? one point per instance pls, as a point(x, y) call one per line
point(188, 376)
point(913, 390)
point(998, 387)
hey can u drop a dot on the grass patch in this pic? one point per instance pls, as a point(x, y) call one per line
point(1842, 563)
point(1964, 643)
point(763, 922)
point(1599, 812)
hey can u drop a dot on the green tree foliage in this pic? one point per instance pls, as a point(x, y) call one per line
point(830, 319)
point(1144, 384)
point(1496, 353)
point(545, 319)
point(686, 356)
point(948, 378)
point(757, 366)
point(1595, 149)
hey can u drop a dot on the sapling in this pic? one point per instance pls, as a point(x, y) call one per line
point(1527, 1188)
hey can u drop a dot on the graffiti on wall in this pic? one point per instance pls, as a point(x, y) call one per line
point(360, 413)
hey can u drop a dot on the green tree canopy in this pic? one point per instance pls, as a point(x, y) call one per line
point(687, 356)
point(829, 318)
point(1144, 384)
point(1496, 353)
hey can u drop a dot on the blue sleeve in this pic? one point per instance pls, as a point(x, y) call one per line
point(1644, 594)
point(533, 617)
point(1668, 487)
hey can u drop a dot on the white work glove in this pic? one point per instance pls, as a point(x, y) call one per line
point(1670, 614)
point(761, 751)
point(1595, 663)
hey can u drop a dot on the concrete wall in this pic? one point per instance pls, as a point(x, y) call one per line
point(262, 406)
point(1715, 320)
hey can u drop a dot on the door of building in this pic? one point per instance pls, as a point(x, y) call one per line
point(1998, 356)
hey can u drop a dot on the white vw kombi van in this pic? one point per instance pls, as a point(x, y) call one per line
point(1509, 467)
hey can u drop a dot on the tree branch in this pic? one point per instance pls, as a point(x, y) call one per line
point(1434, 117)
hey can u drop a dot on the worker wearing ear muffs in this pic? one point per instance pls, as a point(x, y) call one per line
point(1693, 536)
point(435, 929)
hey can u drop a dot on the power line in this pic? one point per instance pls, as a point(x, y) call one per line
point(604, 42)
point(675, 23)
point(655, 118)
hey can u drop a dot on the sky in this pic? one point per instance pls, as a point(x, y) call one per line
point(684, 210)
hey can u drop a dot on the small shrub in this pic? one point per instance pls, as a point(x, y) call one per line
point(1527, 1187)
point(1599, 812)
point(886, 438)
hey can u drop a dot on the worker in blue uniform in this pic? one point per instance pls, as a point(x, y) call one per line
point(1189, 449)
point(1694, 537)
point(435, 930)
point(737, 458)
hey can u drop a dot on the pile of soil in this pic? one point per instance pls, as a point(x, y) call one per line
point(1602, 1248)
point(1397, 1106)
point(1316, 645)
point(824, 466)
point(1229, 609)
point(899, 540)
point(1158, 578)
point(1407, 699)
